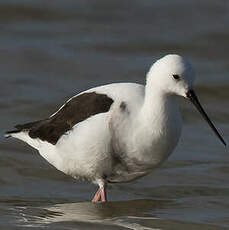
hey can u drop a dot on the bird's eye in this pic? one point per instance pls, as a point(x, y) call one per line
point(176, 76)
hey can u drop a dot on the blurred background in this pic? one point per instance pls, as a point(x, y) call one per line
point(52, 50)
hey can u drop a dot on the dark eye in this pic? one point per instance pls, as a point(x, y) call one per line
point(176, 76)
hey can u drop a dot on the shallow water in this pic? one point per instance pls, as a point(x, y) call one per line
point(53, 50)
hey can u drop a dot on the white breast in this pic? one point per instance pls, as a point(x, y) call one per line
point(143, 140)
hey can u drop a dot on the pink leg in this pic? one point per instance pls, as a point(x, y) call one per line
point(103, 194)
point(97, 196)
point(100, 195)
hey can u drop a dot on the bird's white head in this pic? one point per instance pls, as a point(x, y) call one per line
point(171, 74)
point(174, 75)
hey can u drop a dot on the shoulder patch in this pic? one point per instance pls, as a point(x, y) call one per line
point(123, 106)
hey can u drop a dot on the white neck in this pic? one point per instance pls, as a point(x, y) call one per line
point(159, 106)
point(160, 115)
point(158, 126)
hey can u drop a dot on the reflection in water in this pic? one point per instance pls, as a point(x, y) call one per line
point(87, 213)
point(50, 52)
point(120, 215)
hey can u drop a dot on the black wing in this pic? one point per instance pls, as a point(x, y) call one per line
point(74, 111)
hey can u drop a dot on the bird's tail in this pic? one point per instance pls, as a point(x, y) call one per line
point(22, 132)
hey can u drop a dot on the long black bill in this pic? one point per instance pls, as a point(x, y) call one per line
point(193, 98)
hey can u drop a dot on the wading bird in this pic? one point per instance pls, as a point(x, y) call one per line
point(118, 132)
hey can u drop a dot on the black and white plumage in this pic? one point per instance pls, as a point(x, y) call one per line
point(118, 132)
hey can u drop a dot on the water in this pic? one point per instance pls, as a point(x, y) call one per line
point(53, 50)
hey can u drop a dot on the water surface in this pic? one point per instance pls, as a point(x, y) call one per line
point(53, 50)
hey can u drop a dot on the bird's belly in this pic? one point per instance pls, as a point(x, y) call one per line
point(148, 151)
point(154, 154)
point(155, 144)
point(139, 162)
point(85, 150)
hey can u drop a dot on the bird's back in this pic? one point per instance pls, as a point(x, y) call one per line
point(71, 127)
point(130, 93)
